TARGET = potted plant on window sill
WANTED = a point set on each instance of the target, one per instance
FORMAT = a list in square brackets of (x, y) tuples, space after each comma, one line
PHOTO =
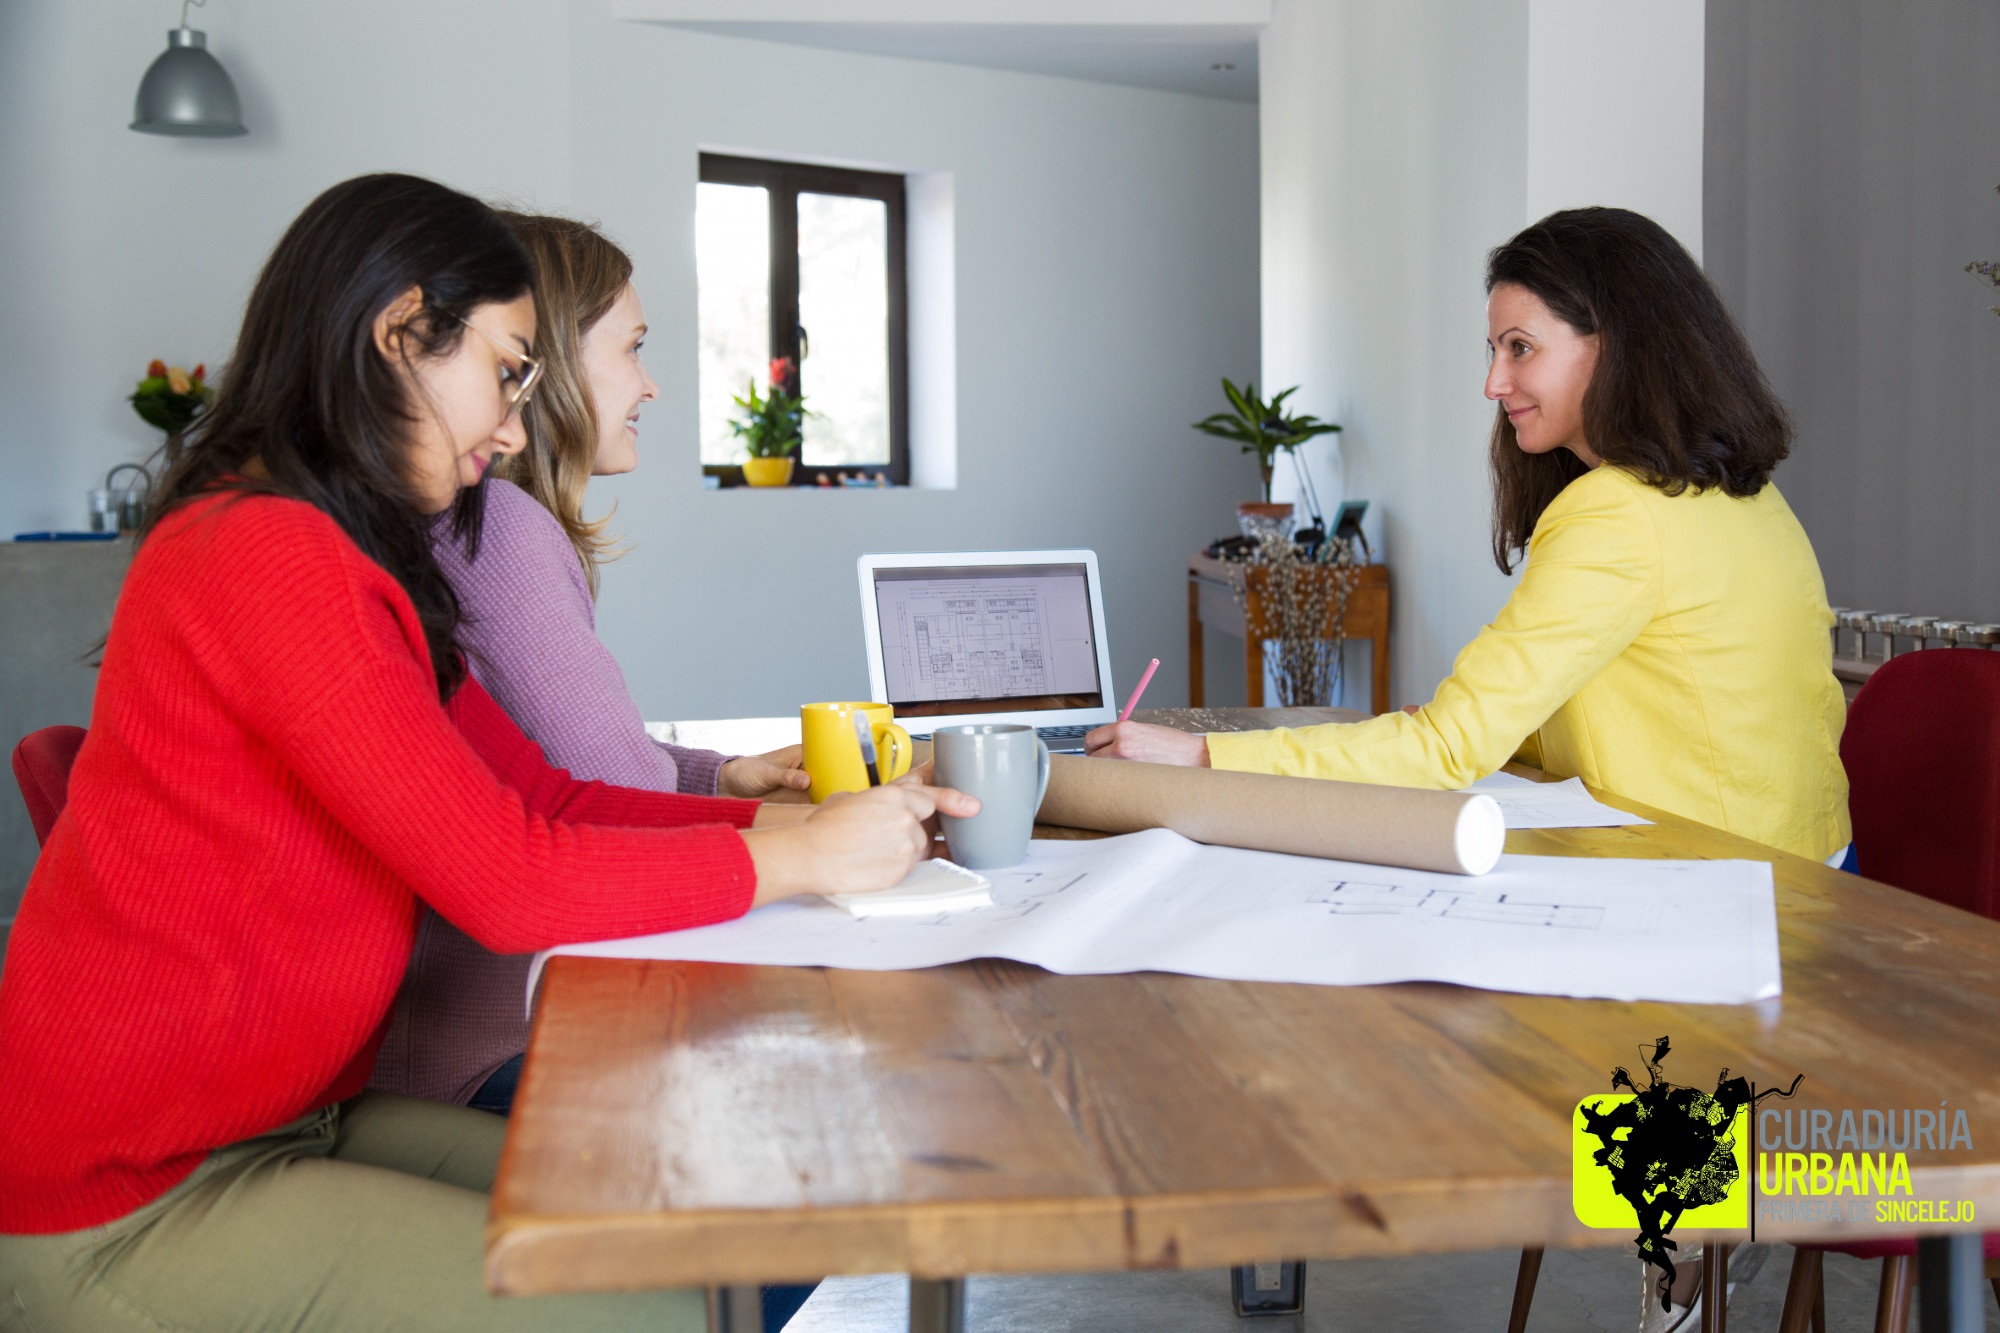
[(1262, 429), (771, 425)]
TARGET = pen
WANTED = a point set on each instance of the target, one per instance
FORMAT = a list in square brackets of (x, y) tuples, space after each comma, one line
[(1133, 702), (861, 734)]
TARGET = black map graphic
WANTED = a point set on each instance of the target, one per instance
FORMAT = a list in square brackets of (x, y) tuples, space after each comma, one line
[(1679, 1151)]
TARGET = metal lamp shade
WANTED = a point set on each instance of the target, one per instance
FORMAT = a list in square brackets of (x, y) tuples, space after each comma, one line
[(187, 92)]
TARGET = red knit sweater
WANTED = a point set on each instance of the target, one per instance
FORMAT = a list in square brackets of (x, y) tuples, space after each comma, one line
[(212, 938)]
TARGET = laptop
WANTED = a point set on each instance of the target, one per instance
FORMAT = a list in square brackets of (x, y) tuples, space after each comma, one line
[(989, 636)]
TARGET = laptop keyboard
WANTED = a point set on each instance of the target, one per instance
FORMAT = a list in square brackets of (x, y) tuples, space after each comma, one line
[(1063, 740)]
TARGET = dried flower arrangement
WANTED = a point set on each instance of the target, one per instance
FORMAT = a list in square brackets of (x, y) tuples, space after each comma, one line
[(1304, 596)]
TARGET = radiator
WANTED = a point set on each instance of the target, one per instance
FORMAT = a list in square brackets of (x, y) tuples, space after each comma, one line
[(1864, 640)]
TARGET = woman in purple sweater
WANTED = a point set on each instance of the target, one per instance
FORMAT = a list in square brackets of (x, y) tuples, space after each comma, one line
[(530, 638)]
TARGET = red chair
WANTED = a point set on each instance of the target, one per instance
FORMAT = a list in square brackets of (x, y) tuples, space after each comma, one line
[(1805, 1295), (41, 765), (1922, 753)]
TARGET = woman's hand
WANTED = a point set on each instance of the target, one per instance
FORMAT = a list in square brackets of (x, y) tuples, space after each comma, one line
[(925, 775), (757, 776), (853, 842), (1148, 744), (782, 814)]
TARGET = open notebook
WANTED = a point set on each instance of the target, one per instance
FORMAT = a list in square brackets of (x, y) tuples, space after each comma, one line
[(933, 886)]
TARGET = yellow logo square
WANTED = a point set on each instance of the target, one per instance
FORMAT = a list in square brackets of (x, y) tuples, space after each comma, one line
[(1663, 1183)]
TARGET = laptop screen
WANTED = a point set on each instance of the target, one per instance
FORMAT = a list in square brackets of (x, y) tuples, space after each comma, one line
[(987, 639)]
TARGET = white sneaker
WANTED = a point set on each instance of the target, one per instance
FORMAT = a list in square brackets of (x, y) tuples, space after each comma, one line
[(1675, 1318), (1652, 1319)]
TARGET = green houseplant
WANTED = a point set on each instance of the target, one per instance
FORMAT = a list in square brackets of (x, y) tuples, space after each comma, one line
[(772, 425), (1262, 428)]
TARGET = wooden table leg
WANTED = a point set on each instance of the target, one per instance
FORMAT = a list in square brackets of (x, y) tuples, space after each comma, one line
[(1801, 1291), (1196, 685), (1715, 1288), (1892, 1296), (1379, 700), (937, 1305), (1253, 669), (1524, 1288)]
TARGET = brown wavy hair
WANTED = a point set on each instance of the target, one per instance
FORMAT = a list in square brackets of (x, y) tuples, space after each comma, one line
[(579, 275), (1677, 397), (309, 400)]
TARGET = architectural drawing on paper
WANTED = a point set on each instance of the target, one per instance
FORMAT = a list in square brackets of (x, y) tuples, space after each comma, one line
[(978, 641), (1684, 932), (1020, 890), (1025, 883), (1357, 898)]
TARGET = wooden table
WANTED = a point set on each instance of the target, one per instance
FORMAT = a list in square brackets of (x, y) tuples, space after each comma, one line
[(685, 1124), (1212, 603)]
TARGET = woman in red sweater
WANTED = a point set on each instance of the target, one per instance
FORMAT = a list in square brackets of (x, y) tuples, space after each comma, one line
[(285, 756)]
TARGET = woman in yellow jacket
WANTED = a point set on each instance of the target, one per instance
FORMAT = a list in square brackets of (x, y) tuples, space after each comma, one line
[(1668, 638)]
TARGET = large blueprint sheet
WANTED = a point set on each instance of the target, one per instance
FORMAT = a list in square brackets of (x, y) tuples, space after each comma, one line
[(1525, 804), (1700, 932)]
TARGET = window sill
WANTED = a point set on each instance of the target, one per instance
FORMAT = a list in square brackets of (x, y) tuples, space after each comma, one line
[(729, 476)]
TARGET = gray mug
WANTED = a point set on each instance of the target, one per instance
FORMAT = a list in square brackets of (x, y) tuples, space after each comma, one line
[(1006, 766)]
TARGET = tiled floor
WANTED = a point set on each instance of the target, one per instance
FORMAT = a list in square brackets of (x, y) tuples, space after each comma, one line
[(1580, 1291)]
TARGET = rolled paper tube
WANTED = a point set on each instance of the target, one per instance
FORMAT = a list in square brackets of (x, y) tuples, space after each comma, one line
[(1459, 833)]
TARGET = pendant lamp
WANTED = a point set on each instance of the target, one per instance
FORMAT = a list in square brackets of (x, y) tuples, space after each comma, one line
[(186, 91)]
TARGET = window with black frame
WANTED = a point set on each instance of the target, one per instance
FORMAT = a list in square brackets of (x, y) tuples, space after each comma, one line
[(804, 262)]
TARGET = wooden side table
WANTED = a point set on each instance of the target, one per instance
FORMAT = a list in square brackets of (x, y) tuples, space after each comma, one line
[(1212, 602)]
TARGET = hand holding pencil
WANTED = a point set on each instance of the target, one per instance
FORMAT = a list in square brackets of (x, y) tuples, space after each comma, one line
[(1138, 690), (1126, 739)]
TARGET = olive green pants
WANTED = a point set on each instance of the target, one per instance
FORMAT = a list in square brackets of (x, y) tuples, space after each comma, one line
[(370, 1215)]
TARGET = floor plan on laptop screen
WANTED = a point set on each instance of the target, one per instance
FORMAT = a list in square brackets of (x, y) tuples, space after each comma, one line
[(999, 633)]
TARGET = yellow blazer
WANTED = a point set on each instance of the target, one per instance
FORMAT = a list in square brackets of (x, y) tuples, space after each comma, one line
[(1672, 649)]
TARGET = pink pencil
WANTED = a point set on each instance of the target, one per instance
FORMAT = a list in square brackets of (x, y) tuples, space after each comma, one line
[(1133, 702)]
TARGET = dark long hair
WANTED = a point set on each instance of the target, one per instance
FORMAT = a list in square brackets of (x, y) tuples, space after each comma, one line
[(1677, 397), (308, 393)]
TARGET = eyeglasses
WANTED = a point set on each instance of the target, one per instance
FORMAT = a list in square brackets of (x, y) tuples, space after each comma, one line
[(515, 384)]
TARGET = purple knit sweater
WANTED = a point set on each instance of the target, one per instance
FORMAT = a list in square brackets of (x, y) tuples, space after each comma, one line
[(530, 637)]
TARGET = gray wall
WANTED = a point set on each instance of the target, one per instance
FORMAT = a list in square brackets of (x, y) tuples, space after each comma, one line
[(55, 604), (1852, 152)]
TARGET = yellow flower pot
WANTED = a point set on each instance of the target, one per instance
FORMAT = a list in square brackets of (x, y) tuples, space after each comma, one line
[(767, 471)]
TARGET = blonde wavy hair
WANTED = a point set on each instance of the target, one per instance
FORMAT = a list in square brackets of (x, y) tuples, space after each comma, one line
[(579, 275)]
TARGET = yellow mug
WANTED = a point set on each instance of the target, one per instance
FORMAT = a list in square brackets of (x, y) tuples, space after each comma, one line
[(833, 751)]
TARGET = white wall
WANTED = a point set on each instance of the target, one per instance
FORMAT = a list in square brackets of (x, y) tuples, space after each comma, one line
[(117, 247), (1037, 12), (1393, 158), (1400, 143), (1106, 243), (1615, 109), (1106, 252)]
